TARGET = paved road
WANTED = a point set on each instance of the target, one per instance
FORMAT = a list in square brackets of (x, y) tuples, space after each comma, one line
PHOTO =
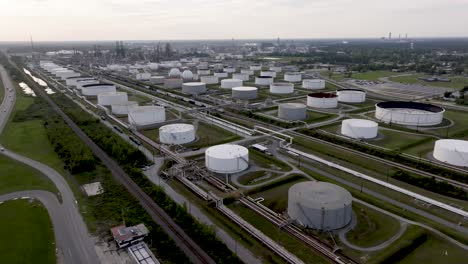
[(74, 241)]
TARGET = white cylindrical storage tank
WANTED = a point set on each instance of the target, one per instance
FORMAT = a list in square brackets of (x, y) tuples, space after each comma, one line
[(153, 66), (202, 72), (172, 83), (322, 100), (194, 88), (247, 71), (81, 83), (351, 96), (123, 108), (187, 75), (240, 76), (313, 84), (144, 76), (176, 134), (409, 113), (174, 73), (320, 205), (263, 80), (227, 158), (292, 111), (256, 67), (359, 128), (452, 151), (157, 79), (67, 74), (146, 115), (72, 81), (108, 99), (281, 88), (276, 69), (244, 92), (230, 83), (268, 73), (209, 79), (95, 89), (293, 77), (54, 70), (229, 69), (221, 74)]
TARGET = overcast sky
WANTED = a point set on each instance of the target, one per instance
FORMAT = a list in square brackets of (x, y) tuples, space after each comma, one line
[(221, 19)]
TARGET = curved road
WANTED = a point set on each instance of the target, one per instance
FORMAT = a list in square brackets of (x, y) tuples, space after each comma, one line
[(73, 239)]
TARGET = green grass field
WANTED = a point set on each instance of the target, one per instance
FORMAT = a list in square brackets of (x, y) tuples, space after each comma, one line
[(27, 234), (372, 75), (15, 176), (457, 82), (268, 162), (372, 228)]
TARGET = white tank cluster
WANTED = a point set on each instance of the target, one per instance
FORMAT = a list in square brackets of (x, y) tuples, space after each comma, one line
[(187, 75), (173, 83), (320, 205), (293, 77), (230, 83), (122, 108), (108, 99), (95, 89), (227, 158), (452, 151), (313, 84), (256, 67), (244, 93), (351, 96), (174, 73), (322, 100), (240, 76), (268, 73), (263, 80), (146, 115), (194, 88), (221, 74), (176, 134), (409, 113), (292, 111), (359, 128), (281, 88), (209, 79), (276, 69)]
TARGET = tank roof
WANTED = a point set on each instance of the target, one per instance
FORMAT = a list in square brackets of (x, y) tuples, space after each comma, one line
[(411, 105), (97, 84), (321, 194), (226, 151), (322, 95)]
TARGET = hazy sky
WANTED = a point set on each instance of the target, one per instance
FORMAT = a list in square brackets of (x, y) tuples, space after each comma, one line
[(218, 19)]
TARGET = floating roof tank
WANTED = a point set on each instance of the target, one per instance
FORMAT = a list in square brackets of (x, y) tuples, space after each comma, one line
[(227, 158)]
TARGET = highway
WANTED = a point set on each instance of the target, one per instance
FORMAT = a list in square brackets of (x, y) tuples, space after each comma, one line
[(74, 240)]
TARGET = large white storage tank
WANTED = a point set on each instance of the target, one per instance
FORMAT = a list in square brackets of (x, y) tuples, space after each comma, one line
[(81, 83), (359, 128), (351, 96), (72, 81), (229, 69), (409, 113), (292, 111), (293, 77), (452, 151), (256, 67), (176, 134), (95, 89), (276, 69), (281, 88), (221, 74), (268, 73), (263, 80), (244, 93), (247, 71), (108, 99), (144, 76), (187, 75), (209, 79), (202, 72), (313, 84), (320, 205), (157, 79), (230, 83), (122, 108), (172, 83), (322, 100), (240, 76), (174, 73), (227, 158), (146, 115), (194, 88), (67, 74)]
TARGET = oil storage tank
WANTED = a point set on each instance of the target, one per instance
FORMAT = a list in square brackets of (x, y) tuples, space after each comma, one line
[(293, 77), (187, 75), (281, 88), (111, 98), (409, 113), (322, 100), (292, 111), (122, 108), (221, 74), (227, 158), (194, 88), (230, 83), (203, 71), (313, 84), (452, 151), (247, 71), (256, 67), (72, 81), (146, 115), (351, 96), (209, 79), (81, 83), (229, 69), (276, 69), (244, 92), (176, 134), (359, 128), (173, 83), (319, 205), (263, 80), (95, 89), (174, 73), (268, 73), (240, 76)]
